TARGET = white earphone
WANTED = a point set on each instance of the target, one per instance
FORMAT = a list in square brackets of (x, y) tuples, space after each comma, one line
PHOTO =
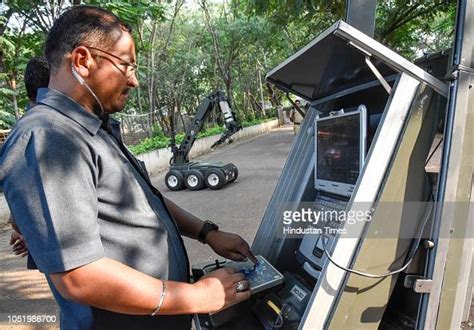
[(77, 75), (81, 81)]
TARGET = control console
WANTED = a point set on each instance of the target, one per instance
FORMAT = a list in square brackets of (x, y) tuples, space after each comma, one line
[(261, 277)]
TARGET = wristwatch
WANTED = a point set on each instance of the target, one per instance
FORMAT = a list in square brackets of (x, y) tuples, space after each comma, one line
[(206, 228)]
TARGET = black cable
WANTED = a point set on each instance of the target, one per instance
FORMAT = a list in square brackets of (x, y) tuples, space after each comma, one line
[(434, 150), (411, 255)]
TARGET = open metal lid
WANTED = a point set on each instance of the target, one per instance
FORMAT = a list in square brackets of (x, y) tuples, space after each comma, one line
[(335, 61)]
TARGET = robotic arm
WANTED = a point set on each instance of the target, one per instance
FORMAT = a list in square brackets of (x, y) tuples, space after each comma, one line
[(180, 154)]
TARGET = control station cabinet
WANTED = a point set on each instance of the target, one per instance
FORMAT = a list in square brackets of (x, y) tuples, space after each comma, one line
[(347, 223)]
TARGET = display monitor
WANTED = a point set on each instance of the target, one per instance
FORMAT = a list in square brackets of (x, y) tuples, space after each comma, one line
[(340, 150)]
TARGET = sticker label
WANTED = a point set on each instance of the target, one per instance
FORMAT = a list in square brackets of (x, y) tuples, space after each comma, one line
[(298, 293)]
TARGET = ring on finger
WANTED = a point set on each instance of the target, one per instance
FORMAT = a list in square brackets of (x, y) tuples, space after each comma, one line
[(241, 286)]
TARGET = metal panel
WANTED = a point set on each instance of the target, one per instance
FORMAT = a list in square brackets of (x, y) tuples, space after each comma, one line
[(298, 168), (325, 292), (391, 58), (335, 61), (395, 223), (448, 262)]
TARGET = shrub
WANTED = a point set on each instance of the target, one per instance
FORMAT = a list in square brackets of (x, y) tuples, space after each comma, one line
[(159, 140)]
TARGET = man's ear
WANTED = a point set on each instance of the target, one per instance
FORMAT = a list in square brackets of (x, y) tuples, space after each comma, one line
[(81, 61)]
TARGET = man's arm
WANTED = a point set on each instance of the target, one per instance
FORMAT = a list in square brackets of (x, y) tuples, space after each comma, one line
[(110, 285), (13, 223), (188, 224), (228, 245)]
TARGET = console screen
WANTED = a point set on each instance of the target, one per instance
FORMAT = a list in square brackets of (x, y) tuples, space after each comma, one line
[(338, 149)]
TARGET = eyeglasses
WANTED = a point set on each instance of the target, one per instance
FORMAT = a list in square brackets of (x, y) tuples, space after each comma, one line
[(131, 68)]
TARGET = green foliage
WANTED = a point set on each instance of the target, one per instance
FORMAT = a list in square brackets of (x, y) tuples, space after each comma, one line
[(6, 119), (17, 48), (211, 131), (133, 12), (250, 116), (181, 61), (157, 132), (253, 122), (159, 142), (295, 21), (408, 26), (150, 144), (415, 27)]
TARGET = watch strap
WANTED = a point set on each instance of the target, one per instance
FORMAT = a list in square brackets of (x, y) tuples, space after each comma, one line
[(206, 228)]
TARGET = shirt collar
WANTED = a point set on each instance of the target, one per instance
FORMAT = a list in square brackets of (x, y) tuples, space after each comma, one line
[(40, 92), (70, 108)]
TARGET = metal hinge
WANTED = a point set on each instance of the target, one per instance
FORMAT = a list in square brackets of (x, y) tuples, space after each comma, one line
[(453, 73), (418, 283)]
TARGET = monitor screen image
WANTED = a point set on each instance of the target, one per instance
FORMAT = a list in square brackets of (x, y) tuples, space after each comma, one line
[(338, 149)]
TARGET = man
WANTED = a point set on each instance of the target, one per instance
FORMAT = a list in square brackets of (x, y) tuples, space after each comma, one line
[(296, 116), (107, 241), (36, 77)]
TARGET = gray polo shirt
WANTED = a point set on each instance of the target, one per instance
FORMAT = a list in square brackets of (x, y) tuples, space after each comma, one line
[(78, 195)]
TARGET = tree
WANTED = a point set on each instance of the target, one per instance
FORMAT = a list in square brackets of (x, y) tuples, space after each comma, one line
[(231, 36), (22, 32), (407, 25), (297, 21)]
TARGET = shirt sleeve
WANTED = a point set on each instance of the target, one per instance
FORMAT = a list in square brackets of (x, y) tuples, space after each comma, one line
[(51, 191)]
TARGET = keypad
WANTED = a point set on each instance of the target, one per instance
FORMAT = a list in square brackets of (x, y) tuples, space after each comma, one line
[(260, 276)]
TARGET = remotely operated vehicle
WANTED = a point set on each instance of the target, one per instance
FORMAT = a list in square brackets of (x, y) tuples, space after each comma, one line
[(197, 175)]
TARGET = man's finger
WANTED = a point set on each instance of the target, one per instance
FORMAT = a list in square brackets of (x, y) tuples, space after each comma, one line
[(237, 277), (244, 295), (230, 270), (17, 248), (236, 256), (247, 253), (252, 257)]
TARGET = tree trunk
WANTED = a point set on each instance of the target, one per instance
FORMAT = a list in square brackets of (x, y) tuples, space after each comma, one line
[(14, 99), (256, 105), (228, 89), (15, 107), (182, 121), (273, 97)]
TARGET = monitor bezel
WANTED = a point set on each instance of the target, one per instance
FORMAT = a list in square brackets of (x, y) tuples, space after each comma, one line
[(336, 187)]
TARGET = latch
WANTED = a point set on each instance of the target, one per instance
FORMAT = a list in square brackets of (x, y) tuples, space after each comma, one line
[(418, 283)]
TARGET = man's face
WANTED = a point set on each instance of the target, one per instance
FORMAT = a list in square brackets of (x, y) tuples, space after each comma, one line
[(114, 76)]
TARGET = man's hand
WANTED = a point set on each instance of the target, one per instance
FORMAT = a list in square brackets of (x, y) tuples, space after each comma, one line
[(229, 246), (218, 289), (18, 243), (110, 285)]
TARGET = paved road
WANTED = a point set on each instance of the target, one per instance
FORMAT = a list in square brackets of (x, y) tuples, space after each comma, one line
[(238, 207)]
